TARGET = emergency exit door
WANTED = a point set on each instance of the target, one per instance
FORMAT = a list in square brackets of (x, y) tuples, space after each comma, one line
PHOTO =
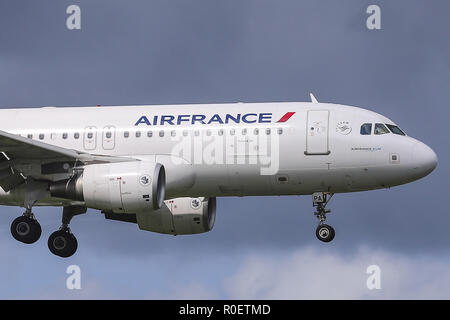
[(90, 138), (317, 132), (109, 137)]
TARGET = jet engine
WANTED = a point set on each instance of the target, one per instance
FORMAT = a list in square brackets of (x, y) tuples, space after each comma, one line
[(180, 216), (124, 187), (176, 216)]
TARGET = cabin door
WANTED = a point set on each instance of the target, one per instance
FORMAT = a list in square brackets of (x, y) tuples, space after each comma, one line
[(317, 132)]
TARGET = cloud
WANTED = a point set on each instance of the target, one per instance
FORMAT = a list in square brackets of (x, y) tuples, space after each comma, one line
[(310, 274), (90, 290), (194, 291)]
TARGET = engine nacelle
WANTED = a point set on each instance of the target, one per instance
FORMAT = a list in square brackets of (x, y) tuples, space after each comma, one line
[(124, 187), (180, 216)]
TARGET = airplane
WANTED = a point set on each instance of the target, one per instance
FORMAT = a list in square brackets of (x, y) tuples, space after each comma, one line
[(162, 167)]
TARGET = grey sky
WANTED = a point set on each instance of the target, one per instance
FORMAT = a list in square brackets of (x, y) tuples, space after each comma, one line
[(203, 51)]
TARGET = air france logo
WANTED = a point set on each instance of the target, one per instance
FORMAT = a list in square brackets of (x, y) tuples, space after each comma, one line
[(213, 119)]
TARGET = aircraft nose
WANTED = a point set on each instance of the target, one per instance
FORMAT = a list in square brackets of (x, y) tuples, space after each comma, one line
[(424, 158)]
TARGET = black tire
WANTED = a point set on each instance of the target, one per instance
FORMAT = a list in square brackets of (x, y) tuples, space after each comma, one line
[(62, 243), (325, 233), (26, 230)]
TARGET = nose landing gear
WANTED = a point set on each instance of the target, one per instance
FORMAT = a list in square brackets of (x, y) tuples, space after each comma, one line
[(324, 232)]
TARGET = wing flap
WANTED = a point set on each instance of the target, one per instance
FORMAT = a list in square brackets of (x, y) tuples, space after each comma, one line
[(9, 179)]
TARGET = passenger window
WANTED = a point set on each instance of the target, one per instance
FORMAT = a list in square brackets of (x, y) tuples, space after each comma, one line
[(90, 135), (76, 135), (244, 132), (366, 129), (30, 136), (126, 134), (220, 132), (268, 131), (232, 132), (138, 134), (41, 136), (395, 130), (64, 135), (280, 131), (196, 133), (380, 129), (256, 132), (208, 132), (108, 135), (161, 133), (173, 133), (149, 134), (185, 133)]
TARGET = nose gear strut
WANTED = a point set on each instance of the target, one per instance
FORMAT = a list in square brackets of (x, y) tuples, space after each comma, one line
[(324, 232)]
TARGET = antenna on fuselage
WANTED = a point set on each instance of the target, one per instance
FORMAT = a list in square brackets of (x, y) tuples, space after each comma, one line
[(313, 99)]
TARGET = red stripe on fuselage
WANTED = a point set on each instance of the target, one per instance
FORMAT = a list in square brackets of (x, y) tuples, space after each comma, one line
[(286, 117)]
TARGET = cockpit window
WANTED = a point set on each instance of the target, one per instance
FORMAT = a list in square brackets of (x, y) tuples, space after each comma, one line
[(366, 129), (380, 129), (395, 129)]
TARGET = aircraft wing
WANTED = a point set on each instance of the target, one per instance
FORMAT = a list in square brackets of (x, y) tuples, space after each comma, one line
[(15, 149)]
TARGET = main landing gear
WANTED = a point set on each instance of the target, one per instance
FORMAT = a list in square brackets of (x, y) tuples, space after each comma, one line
[(62, 243), (26, 228), (324, 232)]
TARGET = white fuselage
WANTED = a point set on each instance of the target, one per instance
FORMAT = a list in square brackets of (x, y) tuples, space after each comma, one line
[(238, 149)]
